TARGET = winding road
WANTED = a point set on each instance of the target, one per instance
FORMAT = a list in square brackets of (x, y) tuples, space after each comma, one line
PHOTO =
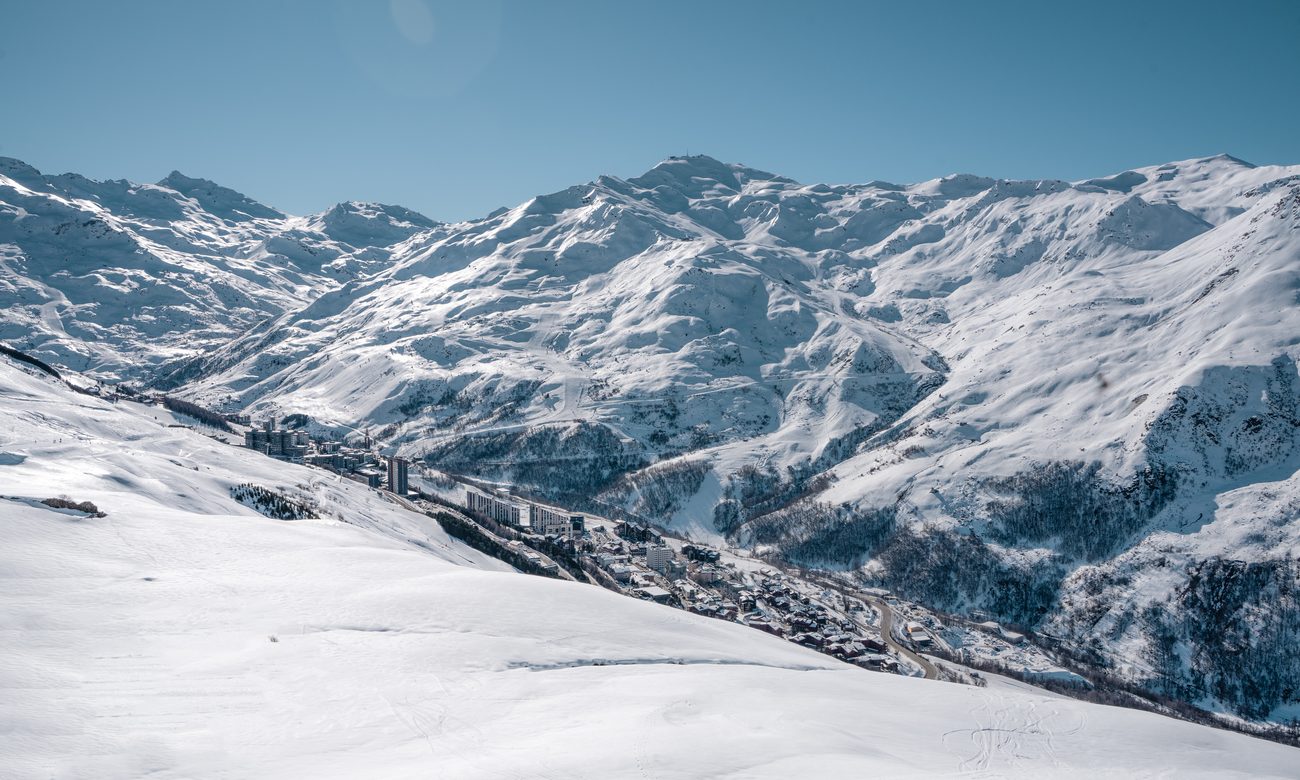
[(887, 636)]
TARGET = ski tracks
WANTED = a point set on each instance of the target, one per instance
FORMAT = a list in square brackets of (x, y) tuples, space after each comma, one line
[(1006, 733)]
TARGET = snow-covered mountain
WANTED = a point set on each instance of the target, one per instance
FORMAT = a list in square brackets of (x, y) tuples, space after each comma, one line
[(1071, 405), (1058, 384), (117, 278), (182, 634)]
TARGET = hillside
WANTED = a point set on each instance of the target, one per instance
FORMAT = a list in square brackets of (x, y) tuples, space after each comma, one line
[(183, 634)]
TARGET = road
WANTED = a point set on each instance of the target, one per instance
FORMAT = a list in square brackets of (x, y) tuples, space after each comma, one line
[(886, 623), (887, 636)]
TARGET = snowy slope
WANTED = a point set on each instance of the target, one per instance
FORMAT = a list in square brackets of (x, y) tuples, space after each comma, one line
[(1123, 431), (117, 278), (183, 635)]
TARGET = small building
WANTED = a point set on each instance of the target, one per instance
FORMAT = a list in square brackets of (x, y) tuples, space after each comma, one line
[(747, 601), (371, 477), (877, 661), (540, 562), (705, 574), (608, 559), (654, 593), (917, 633)]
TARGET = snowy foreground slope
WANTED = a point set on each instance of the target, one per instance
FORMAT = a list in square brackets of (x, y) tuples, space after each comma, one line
[(183, 635), (115, 278)]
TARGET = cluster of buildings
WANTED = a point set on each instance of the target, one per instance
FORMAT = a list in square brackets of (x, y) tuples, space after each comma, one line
[(638, 559), (356, 463), (699, 581), (781, 608), (532, 517), (278, 443)]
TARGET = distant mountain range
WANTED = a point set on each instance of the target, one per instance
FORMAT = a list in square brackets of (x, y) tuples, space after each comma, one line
[(1070, 405)]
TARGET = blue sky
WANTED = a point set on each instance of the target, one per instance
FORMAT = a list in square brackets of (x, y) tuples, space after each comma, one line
[(456, 108)]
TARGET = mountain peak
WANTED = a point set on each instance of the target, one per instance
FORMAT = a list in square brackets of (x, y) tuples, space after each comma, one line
[(19, 171), (696, 173), (360, 223), (1224, 157), (374, 210), (218, 200)]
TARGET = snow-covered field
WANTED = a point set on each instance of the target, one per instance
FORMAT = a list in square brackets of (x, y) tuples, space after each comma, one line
[(184, 635)]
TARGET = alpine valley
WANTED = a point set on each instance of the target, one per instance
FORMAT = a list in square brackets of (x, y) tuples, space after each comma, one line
[(1071, 407)]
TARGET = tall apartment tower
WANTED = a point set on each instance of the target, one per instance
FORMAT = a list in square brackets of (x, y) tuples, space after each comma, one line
[(397, 475)]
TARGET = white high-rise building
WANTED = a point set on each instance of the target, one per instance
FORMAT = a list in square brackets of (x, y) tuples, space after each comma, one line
[(657, 557)]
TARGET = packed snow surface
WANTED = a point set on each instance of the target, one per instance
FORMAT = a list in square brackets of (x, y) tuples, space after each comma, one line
[(184, 635)]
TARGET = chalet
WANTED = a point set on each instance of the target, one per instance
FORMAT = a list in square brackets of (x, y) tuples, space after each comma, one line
[(637, 532), (801, 623), (697, 552), (877, 661), (816, 641)]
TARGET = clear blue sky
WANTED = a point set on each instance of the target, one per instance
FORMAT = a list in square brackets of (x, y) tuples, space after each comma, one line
[(456, 108)]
